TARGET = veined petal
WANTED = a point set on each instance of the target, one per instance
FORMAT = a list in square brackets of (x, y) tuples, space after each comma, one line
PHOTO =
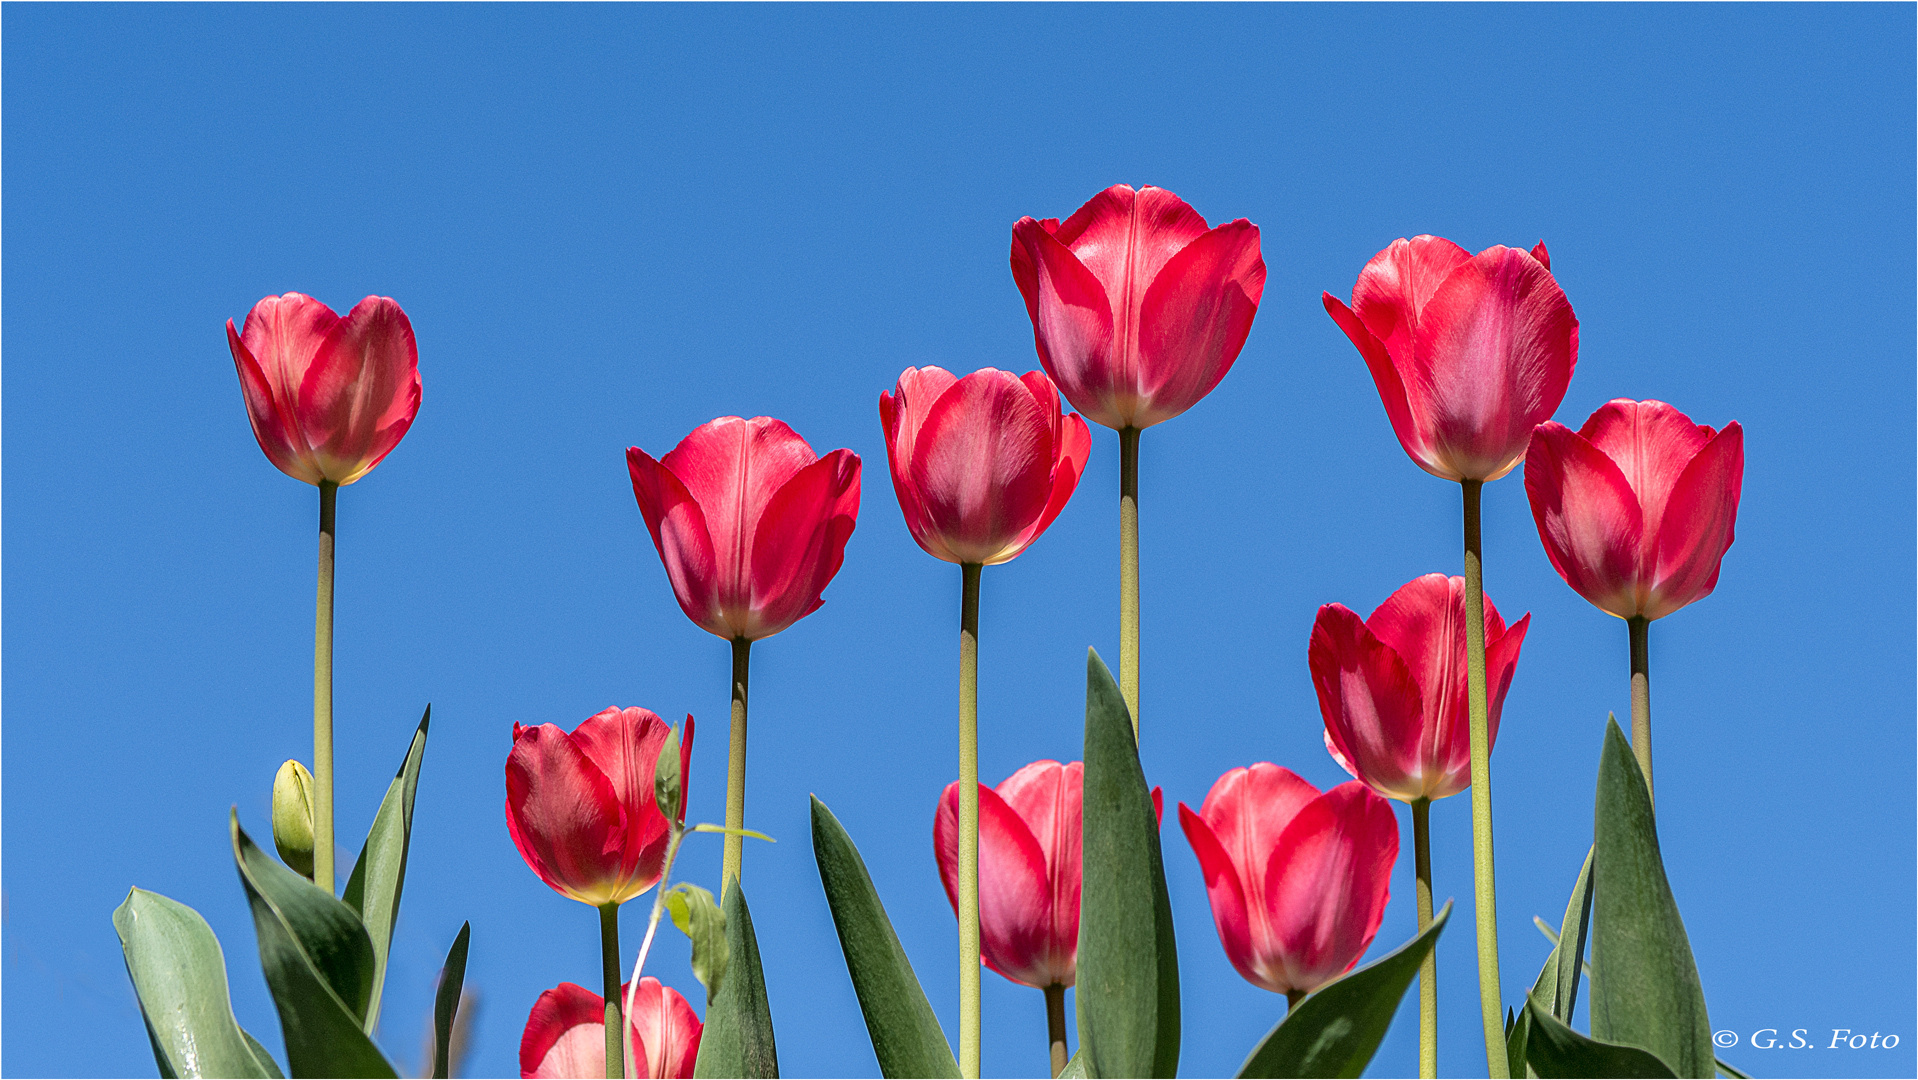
[(1072, 322), (1501, 663), (1047, 796), (359, 395), (1698, 524), (901, 414), (982, 465), (564, 815), (624, 744), (800, 544), (1015, 896), (1327, 883), (1391, 387), (1396, 285), (283, 333), (1194, 317), (1587, 517), (565, 1035), (1375, 719), (274, 429), (678, 528), (1651, 443), (1231, 914), (731, 467), (662, 1033)]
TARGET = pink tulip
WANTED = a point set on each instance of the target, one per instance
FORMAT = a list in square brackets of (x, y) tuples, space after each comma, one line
[(1298, 880), (565, 1035), (1470, 352), (981, 464), (581, 807), (328, 397), (1636, 508), (1138, 310), (1392, 687)]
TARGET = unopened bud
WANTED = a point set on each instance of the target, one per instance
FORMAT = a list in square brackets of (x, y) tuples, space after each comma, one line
[(293, 817)]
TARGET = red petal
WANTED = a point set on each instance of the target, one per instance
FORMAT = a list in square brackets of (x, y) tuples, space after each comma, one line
[(1376, 723), (283, 333), (279, 438), (1014, 894), (624, 744), (1588, 518), (662, 1032), (362, 390), (565, 1034), (731, 468), (1226, 893), (1544, 257), (1047, 797), (800, 543), (1328, 881), (564, 815), (678, 526), (1651, 443), (1501, 662), (982, 467), (1397, 283), (1072, 321), (1385, 376), (902, 416), (1698, 523), (1194, 318)]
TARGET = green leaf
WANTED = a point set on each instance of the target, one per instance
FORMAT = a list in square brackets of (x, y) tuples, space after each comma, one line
[(1727, 1070), (698, 917), (668, 789), (1336, 1030), (1645, 992), (706, 826), (1518, 1032), (1075, 1068), (738, 1040), (1557, 984), (906, 1036), (1128, 967), (179, 977), (318, 964), (373, 890), (446, 1002), (1554, 1050)]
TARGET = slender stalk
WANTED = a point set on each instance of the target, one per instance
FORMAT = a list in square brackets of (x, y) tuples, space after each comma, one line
[(969, 970), (1056, 1026), (323, 696), (609, 968), (1292, 999), (1129, 573), (1428, 971), (1641, 629), (1484, 891), (659, 906), (736, 769)]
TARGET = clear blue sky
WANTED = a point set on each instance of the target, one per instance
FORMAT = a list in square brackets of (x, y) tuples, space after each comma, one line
[(610, 224)]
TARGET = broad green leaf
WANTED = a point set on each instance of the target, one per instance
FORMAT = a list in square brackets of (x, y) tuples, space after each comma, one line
[(1645, 990), (373, 891), (668, 788), (1554, 1050), (179, 977), (699, 918), (446, 1002), (1075, 1068), (738, 1040), (318, 964), (1557, 984), (1336, 1030), (1727, 1070), (1128, 966), (906, 1036)]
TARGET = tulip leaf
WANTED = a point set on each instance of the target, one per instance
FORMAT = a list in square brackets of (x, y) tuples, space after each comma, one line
[(1336, 1030), (179, 977), (1518, 1036), (373, 890), (738, 1040), (906, 1036), (1128, 966), (318, 963), (1075, 1067), (1727, 1070), (1555, 1050), (1645, 990), (1557, 983), (697, 916), (668, 786), (446, 1002)]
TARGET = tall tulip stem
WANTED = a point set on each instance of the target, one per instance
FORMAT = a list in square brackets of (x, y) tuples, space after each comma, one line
[(1056, 1026), (736, 768), (1428, 971), (1484, 890), (1641, 632), (1129, 573), (969, 970), (609, 967), (323, 696)]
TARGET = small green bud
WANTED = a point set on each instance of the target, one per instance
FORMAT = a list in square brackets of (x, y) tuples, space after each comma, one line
[(293, 817), (668, 785)]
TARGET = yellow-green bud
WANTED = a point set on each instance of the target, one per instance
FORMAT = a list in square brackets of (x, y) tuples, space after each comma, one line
[(293, 817)]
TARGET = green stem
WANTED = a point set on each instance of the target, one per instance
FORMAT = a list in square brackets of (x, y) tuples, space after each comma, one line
[(659, 906), (736, 769), (1129, 573), (1056, 1027), (1292, 999), (609, 968), (1484, 891), (969, 970), (1641, 628), (323, 696), (1428, 971)]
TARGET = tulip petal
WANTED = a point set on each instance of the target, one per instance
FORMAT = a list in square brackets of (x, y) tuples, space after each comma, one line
[(1396, 285), (1698, 523), (1327, 883), (982, 466), (801, 542), (1651, 443), (1501, 663), (1072, 321), (1385, 376), (360, 394), (563, 814), (1226, 894), (273, 427), (565, 1035), (1015, 896), (678, 526), (624, 745), (1543, 256), (1048, 796), (901, 414), (1377, 724), (283, 333), (1587, 517), (1194, 318), (732, 467), (662, 1033)]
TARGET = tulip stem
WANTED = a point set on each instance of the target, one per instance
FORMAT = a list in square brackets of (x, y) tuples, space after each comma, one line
[(969, 970), (323, 696), (1428, 970), (736, 768), (1292, 999), (1056, 1027), (678, 833), (1484, 890), (1129, 573), (1641, 632), (609, 968)]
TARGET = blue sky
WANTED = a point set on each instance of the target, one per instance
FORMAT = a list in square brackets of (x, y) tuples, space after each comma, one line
[(610, 224)]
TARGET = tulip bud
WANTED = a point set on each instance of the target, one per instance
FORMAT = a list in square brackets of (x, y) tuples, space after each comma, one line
[(667, 786), (293, 817)]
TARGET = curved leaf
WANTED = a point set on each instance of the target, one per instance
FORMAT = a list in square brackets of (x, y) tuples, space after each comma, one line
[(373, 890), (1554, 1050), (738, 1040), (446, 1002), (698, 917), (179, 977)]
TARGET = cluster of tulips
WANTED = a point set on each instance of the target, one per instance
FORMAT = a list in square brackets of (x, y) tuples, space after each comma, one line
[(1138, 311)]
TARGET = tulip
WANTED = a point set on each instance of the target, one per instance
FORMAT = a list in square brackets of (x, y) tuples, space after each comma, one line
[(751, 525), (565, 1034), (1297, 879), (982, 465), (1636, 510), (293, 817)]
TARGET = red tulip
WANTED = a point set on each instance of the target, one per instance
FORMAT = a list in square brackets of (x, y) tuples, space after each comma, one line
[(1470, 352), (581, 806), (565, 1035), (1138, 309), (750, 523), (981, 464), (328, 397), (1298, 880), (1392, 687), (1636, 508)]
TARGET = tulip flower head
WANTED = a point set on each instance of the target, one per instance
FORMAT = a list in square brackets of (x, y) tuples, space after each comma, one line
[(565, 1034), (749, 522), (1470, 352), (580, 806), (1392, 687), (983, 464), (1636, 508), (1297, 879), (1138, 309), (328, 396), (1028, 870)]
